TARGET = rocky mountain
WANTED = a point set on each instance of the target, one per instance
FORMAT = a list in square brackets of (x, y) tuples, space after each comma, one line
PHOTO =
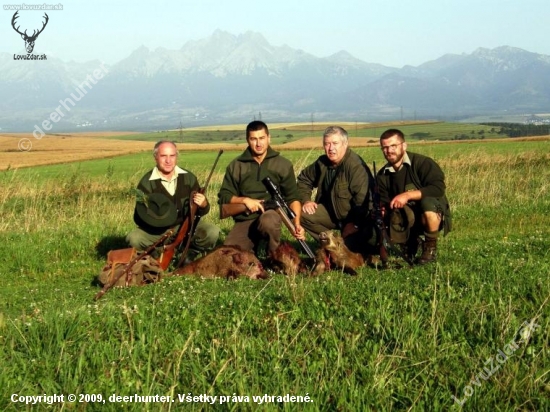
[(226, 78), (486, 81)]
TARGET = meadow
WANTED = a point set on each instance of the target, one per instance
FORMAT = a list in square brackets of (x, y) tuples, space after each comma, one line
[(469, 332)]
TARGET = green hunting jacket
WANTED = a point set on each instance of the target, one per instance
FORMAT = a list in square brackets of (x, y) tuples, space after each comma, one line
[(243, 178), (186, 183), (425, 175), (350, 195)]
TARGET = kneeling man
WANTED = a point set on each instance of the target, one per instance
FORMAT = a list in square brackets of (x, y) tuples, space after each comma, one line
[(412, 192)]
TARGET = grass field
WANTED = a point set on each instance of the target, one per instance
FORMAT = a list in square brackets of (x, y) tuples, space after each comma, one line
[(470, 332)]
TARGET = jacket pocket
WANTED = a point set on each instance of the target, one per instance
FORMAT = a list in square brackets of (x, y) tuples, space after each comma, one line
[(341, 191)]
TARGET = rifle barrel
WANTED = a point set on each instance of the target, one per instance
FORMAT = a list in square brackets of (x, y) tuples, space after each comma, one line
[(285, 212), (385, 242)]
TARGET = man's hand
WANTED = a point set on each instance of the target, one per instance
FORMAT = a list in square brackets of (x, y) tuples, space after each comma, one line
[(399, 201), (200, 200), (382, 212), (299, 233), (254, 205), (402, 199), (309, 207)]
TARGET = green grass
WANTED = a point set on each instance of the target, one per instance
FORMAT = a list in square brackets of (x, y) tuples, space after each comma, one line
[(397, 339)]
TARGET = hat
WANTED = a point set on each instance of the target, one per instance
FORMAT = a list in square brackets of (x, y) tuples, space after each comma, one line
[(157, 210), (401, 221)]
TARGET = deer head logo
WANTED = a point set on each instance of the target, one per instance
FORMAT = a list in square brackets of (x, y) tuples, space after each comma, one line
[(29, 40)]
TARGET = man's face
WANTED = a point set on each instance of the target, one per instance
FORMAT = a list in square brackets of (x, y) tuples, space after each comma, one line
[(335, 147), (393, 149), (258, 141), (166, 158)]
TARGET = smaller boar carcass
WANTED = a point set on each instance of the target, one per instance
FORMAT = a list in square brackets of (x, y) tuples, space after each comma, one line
[(334, 254), (285, 259), (229, 262)]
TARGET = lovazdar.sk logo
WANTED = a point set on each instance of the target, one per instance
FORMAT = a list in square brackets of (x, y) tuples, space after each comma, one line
[(29, 39)]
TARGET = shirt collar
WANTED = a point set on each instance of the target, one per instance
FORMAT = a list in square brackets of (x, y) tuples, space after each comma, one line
[(406, 160), (157, 176)]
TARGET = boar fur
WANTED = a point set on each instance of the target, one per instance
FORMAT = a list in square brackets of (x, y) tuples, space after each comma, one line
[(334, 254), (285, 259), (228, 262)]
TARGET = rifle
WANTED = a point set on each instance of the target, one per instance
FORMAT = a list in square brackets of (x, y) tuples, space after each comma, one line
[(385, 241), (285, 212), (187, 228), (234, 209), (277, 203), (128, 267)]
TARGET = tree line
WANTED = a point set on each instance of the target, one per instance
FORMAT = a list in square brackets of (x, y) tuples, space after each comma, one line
[(520, 130)]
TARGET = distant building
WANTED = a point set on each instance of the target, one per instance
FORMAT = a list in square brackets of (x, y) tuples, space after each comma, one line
[(536, 120)]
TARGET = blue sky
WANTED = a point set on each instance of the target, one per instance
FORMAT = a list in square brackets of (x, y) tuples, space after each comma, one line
[(390, 32)]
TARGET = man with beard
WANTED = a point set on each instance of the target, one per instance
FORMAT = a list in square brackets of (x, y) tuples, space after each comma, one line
[(243, 184), (343, 197), (412, 189)]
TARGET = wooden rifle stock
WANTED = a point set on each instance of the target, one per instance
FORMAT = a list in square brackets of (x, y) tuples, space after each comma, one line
[(232, 209), (169, 250)]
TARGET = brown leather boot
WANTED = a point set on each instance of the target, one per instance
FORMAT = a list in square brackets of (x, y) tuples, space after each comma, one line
[(429, 251), (412, 247)]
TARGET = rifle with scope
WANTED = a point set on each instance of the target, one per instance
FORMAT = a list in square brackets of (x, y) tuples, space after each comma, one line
[(277, 203)]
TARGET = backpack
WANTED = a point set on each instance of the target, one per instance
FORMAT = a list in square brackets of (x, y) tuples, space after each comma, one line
[(144, 271)]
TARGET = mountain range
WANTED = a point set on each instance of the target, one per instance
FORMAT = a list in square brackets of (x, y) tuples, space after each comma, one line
[(232, 79)]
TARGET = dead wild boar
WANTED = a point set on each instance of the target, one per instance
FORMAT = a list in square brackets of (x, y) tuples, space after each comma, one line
[(228, 262), (334, 254), (285, 259)]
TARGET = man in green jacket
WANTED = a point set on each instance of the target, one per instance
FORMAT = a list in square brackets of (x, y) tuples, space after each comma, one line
[(242, 184), (168, 183), (412, 188), (343, 197)]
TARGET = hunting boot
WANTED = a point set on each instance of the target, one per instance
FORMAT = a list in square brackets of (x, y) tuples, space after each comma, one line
[(412, 247), (429, 248)]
